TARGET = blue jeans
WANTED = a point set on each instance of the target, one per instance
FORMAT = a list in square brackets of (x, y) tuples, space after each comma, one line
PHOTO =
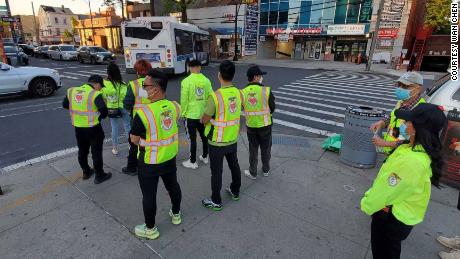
[(115, 123)]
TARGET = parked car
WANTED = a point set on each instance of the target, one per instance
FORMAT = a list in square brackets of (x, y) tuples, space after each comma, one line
[(28, 49), (94, 55), (37, 81), (445, 93), (41, 51), (62, 52), (15, 56)]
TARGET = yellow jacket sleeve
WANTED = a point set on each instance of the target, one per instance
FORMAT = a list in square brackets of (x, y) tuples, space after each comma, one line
[(184, 95)]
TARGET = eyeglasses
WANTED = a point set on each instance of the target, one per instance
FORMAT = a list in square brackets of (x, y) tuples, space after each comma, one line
[(144, 85)]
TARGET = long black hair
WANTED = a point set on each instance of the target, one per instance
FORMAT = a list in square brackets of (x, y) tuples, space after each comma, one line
[(431, 142), (113, 73)]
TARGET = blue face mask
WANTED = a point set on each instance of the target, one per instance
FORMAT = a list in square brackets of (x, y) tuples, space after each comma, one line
[(403, 131), (402, 94)]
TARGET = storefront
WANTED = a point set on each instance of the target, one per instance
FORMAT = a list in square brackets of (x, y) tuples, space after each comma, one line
[(348, 41)]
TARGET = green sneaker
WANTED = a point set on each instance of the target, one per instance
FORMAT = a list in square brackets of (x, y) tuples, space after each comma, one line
[(175, 218), (208, 203), (144, 231), (234, 197)]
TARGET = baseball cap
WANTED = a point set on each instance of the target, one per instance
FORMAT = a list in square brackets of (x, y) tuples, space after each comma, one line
[(96, 79), (194, 63), (424, 115), (410, 78), (255, 71)]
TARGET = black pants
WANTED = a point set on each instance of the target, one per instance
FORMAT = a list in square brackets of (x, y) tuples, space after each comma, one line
[(192, 126), (149, 184), (387, 233), (216, 155), (132, 154), (90, 138), (259, 138)]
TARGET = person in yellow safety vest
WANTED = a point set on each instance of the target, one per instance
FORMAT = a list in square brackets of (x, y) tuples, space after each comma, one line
[(399, 196), (135, 96), (222, 120), (408, 92), (259, 104), (114, 92), (195, 90), (155, 131), (87, 108)]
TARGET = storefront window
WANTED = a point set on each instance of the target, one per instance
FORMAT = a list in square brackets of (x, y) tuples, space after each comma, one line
[(328, 13), (316, 11), (340, 11), (264, 18), (353, 11), (305, 9)]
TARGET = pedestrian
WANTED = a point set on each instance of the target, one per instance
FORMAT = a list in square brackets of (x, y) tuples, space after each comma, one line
[(222, 119), (259, 105), (87, 108), (195, 90), (155, 131), (408, 92), (135, 96), (452, 243), (412, 61), (399, 196), (114, 93)]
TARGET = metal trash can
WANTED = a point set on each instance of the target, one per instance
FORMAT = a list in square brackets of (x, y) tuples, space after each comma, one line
[(357, 148)]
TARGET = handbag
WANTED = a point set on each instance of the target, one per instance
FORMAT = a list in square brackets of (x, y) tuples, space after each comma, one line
[(115, 112)]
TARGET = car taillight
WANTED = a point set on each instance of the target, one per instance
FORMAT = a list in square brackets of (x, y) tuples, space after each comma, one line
[(169, 55), (168, 51)]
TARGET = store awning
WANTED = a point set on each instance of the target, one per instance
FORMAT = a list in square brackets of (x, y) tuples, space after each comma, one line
[(227, 31)]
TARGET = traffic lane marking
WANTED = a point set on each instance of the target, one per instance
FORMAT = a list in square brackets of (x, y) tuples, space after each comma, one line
[(303, 128), (29, 106), (30, 112)]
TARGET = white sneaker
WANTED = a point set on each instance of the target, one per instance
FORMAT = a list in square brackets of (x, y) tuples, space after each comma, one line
[(249, 175), (267, 174), (188, 164), (454, 254), (205, 160), (115, 151), (452, 243)]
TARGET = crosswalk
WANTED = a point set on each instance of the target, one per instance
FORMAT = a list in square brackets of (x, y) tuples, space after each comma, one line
[(80, 72), (317, 103)]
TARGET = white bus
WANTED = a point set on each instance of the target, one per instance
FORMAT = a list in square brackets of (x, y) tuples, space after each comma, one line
[(164, 42)]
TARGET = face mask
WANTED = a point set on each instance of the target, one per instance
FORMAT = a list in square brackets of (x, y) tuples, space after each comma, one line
[(402, 94), (403, 131), (260, 80)]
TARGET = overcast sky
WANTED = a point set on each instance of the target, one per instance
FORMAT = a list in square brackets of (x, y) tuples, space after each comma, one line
[(77, 6)]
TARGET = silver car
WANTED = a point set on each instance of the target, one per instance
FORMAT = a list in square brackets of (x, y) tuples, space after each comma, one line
[(15, 56), (62, 52), (445, 93)]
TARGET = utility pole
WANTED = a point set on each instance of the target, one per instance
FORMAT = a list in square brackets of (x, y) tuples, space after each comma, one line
[(152, 8), (91, 18), (235, 56), (374, 35), (8, 10), (35, 24)]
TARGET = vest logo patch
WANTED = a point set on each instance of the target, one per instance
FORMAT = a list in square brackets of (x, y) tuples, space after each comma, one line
[(232, 105), (252, 99), (393, 180), (199, 91), (166, 120), (78, 97)]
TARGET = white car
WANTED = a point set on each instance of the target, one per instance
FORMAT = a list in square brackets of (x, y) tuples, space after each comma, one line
[(445, 93), (37, 81), (62, 52)]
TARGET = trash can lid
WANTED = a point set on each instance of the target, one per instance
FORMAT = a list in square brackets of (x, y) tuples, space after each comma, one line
[(365, 111)]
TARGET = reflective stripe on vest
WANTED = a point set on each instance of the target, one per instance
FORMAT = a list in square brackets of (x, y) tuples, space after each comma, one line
[(221, 113), (152, 132), (90, 113), (159, 143), (225, 124)]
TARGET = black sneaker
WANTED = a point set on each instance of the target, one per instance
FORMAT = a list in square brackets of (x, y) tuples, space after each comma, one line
[(129, 171), (208, 203), (234, 197), (102, 178), (87, 175)]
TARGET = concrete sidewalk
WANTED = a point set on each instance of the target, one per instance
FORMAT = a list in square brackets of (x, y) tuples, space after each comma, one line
[(334, 65), (307, 208)]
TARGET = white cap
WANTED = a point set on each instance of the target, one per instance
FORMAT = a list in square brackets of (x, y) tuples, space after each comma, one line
[(411, 78)]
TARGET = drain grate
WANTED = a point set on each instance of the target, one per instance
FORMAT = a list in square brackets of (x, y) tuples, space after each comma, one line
[(290, 141)]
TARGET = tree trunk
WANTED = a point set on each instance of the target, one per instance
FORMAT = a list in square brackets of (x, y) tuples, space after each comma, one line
[(152, 8), (183, 9)]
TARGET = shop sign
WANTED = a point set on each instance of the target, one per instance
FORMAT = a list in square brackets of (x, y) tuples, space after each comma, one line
[(262, 38), (282, 37), (229, 36), (389, 33), (346, 29), (386, 43), (10, 19), (251, 26), (273, 31)]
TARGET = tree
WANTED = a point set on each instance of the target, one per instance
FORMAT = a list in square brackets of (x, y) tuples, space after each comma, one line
[(437, 14), (114, 2), (172, 6), (73, 32)]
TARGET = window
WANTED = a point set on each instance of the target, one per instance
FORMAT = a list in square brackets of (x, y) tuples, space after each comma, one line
[(65, 20), (56, 20), (340, 11), (273, 17), (58, 31), (66, 48), (184, 44), (328, 13), (366, 12), (283, 18), (316, 12), (141, 33), (353, 11), (305, 11), (264, 18)]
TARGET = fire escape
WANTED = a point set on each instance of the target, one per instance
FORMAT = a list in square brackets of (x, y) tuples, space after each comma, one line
[(419, 45)]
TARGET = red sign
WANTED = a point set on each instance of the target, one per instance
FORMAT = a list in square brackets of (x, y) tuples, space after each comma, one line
[(391, 33), (274, 31)]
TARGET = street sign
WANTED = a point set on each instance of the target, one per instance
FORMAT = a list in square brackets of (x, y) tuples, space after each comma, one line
[(9, 19)]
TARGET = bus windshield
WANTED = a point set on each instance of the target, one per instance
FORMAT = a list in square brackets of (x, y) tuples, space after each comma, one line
[(141, 33)]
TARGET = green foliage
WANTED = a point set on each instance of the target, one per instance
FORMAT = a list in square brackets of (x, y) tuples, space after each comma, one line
[(437, 14), (173, 6)]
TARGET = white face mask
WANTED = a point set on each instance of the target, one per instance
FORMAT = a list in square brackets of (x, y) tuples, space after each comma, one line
[(143, 93), (260, 80)]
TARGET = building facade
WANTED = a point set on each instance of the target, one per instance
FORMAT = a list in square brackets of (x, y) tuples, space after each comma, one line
[(26, 28), (315, 29), (53, 22), (139, 9)]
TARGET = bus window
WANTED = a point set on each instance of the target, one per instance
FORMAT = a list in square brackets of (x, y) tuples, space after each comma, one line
[(184, 44), (141, 33), (198, 43)]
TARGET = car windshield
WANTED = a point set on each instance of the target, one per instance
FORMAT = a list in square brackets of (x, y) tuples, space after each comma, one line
[(97, 49), (67, 48), (9, 49), (45, 48)]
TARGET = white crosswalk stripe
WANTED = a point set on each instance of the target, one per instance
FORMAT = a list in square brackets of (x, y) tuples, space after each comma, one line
[(317, 104)]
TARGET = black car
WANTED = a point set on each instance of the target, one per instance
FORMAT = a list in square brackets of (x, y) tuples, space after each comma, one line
[(94, 55), (41, 51), (28, 49)]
